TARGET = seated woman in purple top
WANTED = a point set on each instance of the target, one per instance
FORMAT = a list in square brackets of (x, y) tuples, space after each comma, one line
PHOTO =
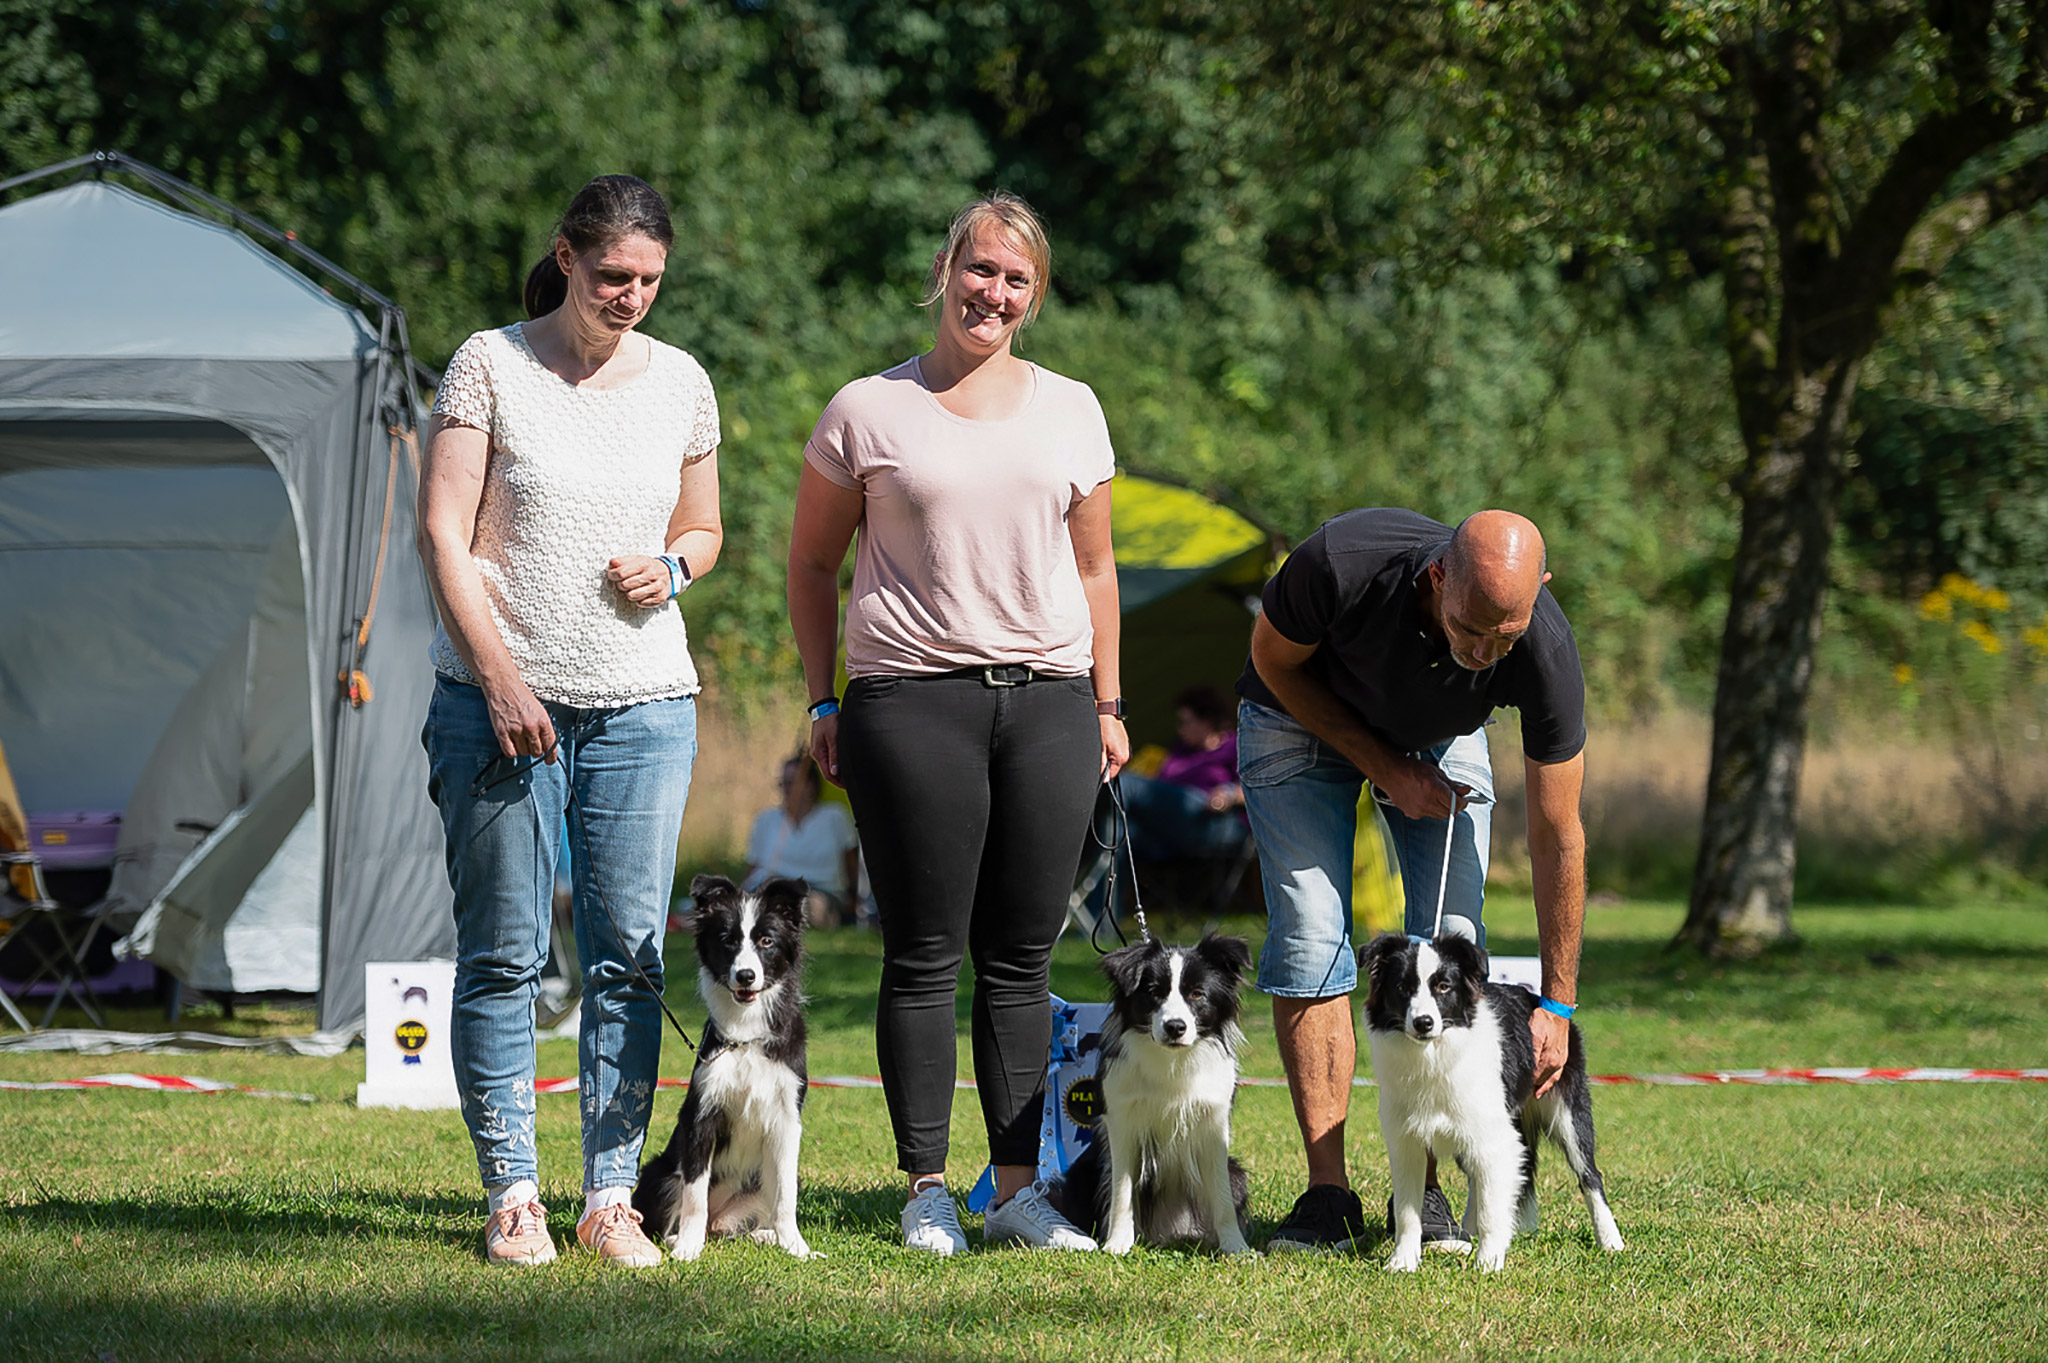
[(1193, 807)]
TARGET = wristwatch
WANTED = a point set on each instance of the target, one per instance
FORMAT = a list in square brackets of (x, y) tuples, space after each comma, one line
[(1113, 708)]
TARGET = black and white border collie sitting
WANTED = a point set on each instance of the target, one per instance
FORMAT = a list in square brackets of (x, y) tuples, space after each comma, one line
[(1169, 1076), (731, 1164), (1455, 1066)]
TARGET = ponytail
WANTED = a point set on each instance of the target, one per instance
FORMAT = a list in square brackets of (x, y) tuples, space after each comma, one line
[(547, 288), (603, 211)]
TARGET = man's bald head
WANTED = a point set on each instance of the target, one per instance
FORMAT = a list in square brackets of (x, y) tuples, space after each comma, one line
[(1497, 557), (1486, 585)]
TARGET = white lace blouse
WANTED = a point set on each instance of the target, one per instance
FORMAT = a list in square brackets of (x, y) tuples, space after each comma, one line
[(577, 476)]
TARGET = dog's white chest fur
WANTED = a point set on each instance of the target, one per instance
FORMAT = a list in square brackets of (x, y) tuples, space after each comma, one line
[(758, 1099), (1446, 1091)]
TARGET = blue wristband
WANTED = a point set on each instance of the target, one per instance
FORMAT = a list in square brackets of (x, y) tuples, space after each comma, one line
[(1551, 1005), (678, 574), (827, 706)]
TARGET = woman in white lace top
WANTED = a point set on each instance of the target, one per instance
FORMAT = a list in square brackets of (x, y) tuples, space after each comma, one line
[(570, 495)]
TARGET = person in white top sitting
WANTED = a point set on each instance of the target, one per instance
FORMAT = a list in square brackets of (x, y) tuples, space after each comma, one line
[(814, 842)]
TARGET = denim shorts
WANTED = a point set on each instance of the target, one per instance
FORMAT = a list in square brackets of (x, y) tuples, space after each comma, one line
[(1302, 796)]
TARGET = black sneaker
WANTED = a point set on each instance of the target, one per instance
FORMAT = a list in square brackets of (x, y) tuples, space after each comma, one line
[(1440, 1230), (1325, 1219)]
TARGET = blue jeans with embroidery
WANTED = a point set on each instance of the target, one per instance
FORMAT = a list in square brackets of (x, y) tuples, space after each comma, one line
[(630, 768), (1302, 796)]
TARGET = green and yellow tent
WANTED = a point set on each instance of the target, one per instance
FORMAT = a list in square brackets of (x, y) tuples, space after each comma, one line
[(1189, 572)]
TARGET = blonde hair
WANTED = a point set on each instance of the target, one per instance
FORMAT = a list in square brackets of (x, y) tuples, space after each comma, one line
[(1017, 221)]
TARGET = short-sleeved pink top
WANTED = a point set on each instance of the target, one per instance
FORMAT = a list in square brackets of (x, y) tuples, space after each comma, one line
[(963, 557)]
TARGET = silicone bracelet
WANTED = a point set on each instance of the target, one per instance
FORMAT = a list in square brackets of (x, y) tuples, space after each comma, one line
[(820, 709), (678, 574), (1551, 1005)]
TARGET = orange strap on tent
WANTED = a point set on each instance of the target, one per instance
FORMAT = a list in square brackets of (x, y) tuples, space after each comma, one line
[(354, 681)]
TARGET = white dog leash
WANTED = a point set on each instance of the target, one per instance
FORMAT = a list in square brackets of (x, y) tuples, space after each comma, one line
[(1443, 878)]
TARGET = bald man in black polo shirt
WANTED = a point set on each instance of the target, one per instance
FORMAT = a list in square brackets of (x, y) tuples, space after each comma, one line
[(1386, 642)]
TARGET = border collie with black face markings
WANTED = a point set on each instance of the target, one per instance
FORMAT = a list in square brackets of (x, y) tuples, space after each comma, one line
[(1168, 1076), (731, 1164), (1455, 1065)]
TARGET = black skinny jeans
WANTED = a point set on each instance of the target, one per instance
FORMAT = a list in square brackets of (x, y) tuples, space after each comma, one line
[(972, 803)]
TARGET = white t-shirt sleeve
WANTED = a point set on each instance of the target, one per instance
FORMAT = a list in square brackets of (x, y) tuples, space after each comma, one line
[(844, 839), (465, 393), (761, 841), (704, 415)]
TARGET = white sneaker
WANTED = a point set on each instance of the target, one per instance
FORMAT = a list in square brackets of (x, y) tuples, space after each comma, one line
[(931, 1222), (1029, 1219)]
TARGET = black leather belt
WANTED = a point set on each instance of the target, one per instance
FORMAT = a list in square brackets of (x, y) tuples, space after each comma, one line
[(1006, 674)]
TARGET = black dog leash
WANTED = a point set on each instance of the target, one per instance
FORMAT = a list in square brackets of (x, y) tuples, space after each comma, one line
[(506, 767), (1119, 841)]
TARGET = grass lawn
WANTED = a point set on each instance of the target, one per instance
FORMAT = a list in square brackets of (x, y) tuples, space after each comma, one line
[(1894, 1221)]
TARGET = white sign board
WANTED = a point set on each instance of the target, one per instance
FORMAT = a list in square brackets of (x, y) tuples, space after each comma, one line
[(1527, 971), (406, 1012)]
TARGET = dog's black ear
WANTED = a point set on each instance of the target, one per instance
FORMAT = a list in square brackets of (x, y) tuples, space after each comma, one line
[(1230, 957), (785, 897), (1380, 955), (710, 887), (1464, 953), (705, 891), (1125, 967)]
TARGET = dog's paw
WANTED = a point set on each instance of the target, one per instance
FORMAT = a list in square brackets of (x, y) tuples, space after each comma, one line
[(1492, 1258), (1239, 1248), (687, 1250), (1406, 1259), (799, 1250), (1119, 1244)]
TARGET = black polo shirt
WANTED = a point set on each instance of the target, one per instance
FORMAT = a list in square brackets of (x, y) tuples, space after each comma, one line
[(1353, 589)]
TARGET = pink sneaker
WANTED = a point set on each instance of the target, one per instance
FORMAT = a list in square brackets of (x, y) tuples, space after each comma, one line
[(519, 1235), (614, 1233)]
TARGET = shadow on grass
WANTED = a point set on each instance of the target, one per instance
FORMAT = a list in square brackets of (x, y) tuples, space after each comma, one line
[(231, 1222)]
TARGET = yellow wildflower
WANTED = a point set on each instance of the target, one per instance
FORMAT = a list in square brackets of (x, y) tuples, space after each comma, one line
[(1903, 674), (1936, 606), (1977, 631), (1996, 600)]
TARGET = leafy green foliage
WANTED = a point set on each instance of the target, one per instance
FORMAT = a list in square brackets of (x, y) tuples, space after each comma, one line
[(1359, 285)]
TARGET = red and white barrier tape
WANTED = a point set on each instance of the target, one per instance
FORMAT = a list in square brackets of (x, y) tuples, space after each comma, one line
[(177, 1083), (157, 1083), (1852, 1075)]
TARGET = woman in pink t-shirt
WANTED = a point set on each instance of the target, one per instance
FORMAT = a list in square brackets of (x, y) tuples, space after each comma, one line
[(983, 709)]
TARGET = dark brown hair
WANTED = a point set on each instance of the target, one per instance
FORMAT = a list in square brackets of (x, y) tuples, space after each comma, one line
[(608, 209), (1208, 704)]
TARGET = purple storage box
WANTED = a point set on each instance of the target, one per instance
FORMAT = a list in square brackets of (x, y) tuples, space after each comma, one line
[(75, 840)]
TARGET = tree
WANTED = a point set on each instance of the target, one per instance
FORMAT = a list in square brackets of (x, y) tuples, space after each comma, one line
[(1826, 159)]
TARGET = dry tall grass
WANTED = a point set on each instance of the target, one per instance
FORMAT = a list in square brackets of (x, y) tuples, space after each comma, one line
[(1876, 809), (1864, 794), (739, 758)]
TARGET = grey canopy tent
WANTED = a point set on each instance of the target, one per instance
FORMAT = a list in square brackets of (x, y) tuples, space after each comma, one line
[(212, 620)]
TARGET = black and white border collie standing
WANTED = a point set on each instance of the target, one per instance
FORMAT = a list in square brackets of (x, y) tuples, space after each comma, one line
[(1455, 1065), (1169, 1076), (731, 1164)]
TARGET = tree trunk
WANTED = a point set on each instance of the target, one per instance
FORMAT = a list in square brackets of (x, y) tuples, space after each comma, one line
[(1742, 884)]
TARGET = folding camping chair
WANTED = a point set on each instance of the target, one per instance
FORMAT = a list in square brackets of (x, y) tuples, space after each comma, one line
[(23, 887), (55, 944)]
